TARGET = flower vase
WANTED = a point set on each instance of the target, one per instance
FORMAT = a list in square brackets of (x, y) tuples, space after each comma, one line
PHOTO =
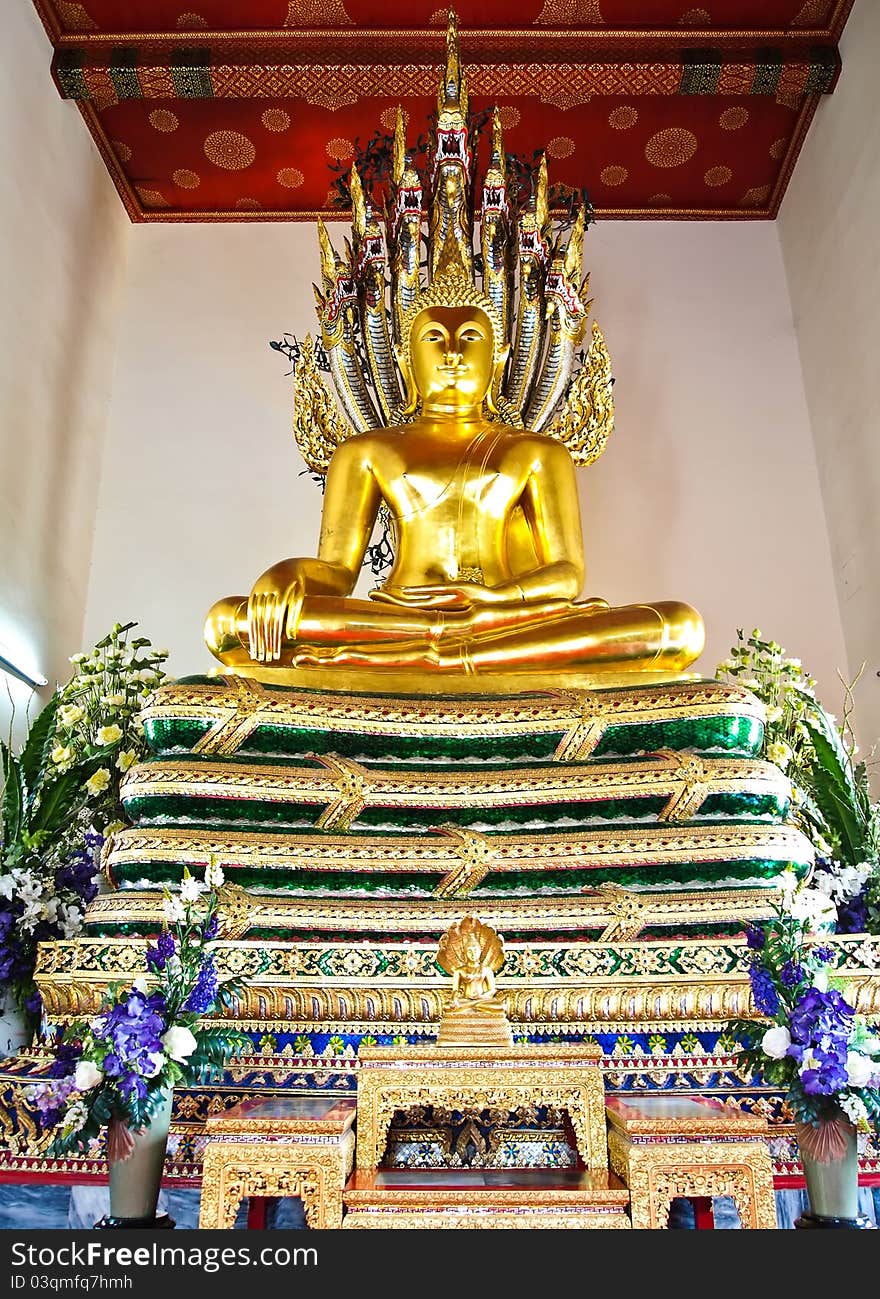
[(829, 1155), (14, 1028), (136, 1161)]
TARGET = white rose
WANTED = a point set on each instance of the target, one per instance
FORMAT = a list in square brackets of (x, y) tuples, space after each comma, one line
[(125, 760), (776, 1042), (774, 713), (820, 980), (109, 734), (140, 983), (179, 1043), (86, 1076), (859, 1069), (813, 908)]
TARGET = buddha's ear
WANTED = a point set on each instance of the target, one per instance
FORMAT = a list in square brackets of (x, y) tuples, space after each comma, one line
[(411, 394), (497, 375)]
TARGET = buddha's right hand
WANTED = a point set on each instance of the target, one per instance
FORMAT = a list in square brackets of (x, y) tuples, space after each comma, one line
[(273, 610)]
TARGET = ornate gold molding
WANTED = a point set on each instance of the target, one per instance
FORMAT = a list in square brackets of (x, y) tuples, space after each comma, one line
[(606, 909), (344, 788), (235, 706), (430, 855)]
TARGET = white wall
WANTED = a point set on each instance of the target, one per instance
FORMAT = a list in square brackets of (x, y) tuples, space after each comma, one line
[(708, 491), (828, 231), (63, 235)]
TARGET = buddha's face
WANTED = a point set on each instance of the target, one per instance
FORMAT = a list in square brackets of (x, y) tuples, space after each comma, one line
[(452, 350)]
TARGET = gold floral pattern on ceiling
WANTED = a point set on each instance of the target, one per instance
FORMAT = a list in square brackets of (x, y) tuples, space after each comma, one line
[(570, 13), (275, 119), (671, 148), (318, 13), (716, 176), (74, 17), (622, 118), (162, 119), (185, 178), (230, 150), (733, 119)]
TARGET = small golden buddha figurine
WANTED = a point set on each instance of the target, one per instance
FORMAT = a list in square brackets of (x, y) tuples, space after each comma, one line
[(467, 441), (476, 1013)]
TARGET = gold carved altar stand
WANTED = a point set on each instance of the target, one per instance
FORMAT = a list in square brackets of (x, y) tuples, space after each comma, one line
[(298, 1146), (474, 1080), (664, 1147)]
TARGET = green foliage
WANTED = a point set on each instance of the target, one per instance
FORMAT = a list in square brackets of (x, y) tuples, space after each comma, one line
[(61, 792), (831, 794)]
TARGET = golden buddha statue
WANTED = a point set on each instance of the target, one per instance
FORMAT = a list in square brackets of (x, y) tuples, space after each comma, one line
[(475, 1013), (449, 428)]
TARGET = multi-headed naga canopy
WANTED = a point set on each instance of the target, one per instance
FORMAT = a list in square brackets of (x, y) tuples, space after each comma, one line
[(530, 289)]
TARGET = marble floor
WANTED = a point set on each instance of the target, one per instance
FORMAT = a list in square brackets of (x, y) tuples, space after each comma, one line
[(33, 1207)]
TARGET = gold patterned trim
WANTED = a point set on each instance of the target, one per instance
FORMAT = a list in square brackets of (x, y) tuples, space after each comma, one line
[(642, 982), (530, 1218), (429, 854), (344, 787), (608, 908)]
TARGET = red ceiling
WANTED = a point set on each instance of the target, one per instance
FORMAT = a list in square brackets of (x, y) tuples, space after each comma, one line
[(153, 16), (234, 109)]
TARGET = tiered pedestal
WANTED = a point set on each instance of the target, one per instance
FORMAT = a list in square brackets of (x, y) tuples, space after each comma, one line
[(664, 1147), (295, 1146), (618, 837)]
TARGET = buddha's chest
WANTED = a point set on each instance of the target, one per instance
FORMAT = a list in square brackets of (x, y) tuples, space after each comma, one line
[(450, 484)]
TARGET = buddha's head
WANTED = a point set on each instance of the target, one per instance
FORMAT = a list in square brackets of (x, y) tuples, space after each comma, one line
[(453, 353)]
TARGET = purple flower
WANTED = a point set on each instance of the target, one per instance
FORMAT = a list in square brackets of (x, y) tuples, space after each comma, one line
[(823, 955), (132, 1086), (827, 1076), (763, 990), (852, 915), (204, 992), (157, 957), (211, 928), (50, 1099), (755, 937), (791, 974), (820, 1014)]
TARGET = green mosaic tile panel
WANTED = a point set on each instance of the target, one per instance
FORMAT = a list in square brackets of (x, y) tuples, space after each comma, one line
[(208, 812), (735, 874)]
